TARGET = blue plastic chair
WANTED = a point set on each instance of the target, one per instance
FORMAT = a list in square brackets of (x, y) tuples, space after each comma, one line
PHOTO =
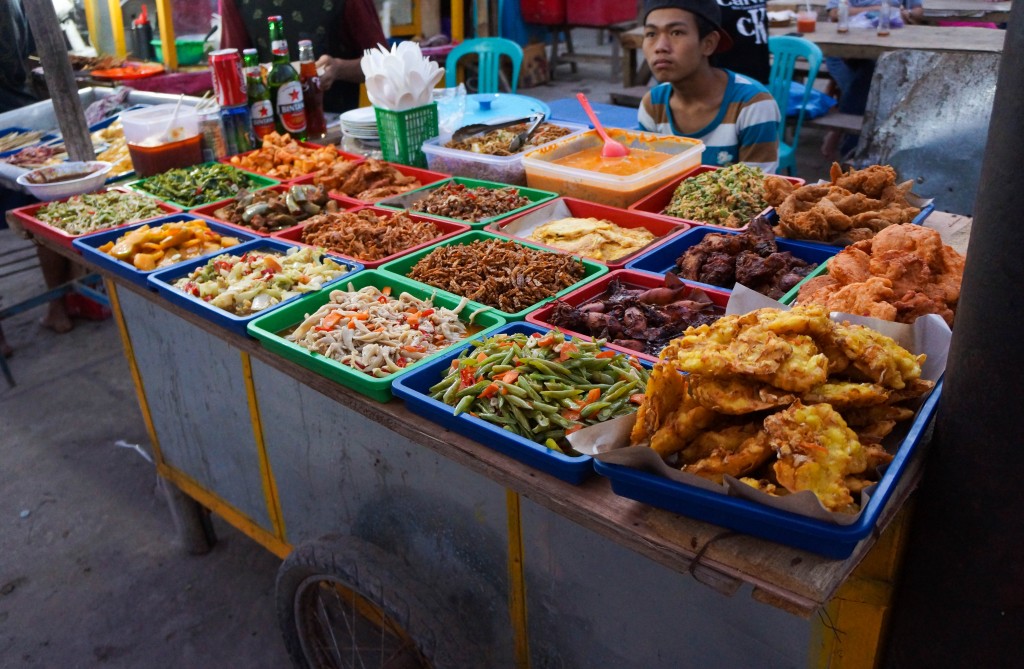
[(489, 50), (785, 52)]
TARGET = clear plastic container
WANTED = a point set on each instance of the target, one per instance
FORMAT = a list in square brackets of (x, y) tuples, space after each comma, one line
[(611, 189), (503, 169), (151, 126)]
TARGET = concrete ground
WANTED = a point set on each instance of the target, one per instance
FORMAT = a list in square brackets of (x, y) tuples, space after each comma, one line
[(90, 573)]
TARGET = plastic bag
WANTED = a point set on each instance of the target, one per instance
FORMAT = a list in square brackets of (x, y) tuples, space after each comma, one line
[(817, 105), (869, 20)]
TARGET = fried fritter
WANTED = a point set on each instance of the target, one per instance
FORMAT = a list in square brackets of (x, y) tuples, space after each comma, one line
[(816, 451), (735, 451), (735, 395), (666, 390), (878, 357), (846, 394)]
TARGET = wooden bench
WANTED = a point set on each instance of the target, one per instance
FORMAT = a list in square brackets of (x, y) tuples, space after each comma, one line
[(848, 123)]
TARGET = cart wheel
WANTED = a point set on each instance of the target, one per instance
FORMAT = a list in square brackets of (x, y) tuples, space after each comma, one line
[(342, 602)]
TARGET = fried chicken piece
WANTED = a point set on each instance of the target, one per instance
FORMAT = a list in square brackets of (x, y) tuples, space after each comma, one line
[(878, 357), (871, 181), (914, 304), (735, 451), (735, 395), (777, 189), (853, 204), (870, 298), (816, 451)]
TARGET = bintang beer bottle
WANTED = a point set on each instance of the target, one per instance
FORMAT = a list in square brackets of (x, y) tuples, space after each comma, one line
[(311, 93), (260, 109), (285, 88)]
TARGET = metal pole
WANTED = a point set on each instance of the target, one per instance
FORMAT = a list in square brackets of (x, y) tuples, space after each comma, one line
[(60, 80), (960, 601)]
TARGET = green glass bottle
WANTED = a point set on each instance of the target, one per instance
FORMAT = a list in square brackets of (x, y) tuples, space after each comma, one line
[(261, 111), (285, 86)]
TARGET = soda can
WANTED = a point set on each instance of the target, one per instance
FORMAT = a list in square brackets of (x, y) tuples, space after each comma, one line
[(214, 144), (228, 79), (237, 128)]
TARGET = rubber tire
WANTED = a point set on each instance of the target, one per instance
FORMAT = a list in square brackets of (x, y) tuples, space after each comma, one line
[(385, 581)]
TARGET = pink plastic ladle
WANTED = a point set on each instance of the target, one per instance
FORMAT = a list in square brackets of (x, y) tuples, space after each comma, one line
[(612, 148)]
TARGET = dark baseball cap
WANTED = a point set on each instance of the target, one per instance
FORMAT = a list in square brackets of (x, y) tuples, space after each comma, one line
[(706, 9)]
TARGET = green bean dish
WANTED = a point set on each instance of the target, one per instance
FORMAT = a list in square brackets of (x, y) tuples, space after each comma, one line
[(729, 197), (542, 387), (198, 185)]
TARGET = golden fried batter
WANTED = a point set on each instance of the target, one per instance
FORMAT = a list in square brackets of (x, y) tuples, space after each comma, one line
[(735, 451), (846, 394), (878, 357), (816, 451), (735, 395), (666, 390)]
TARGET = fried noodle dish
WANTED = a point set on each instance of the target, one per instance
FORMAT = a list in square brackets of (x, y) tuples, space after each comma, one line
[(784, 401), (853, 207), (364, 235)]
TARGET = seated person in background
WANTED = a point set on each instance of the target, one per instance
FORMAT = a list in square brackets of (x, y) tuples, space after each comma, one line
[(735, 116), (853, 75), (747, 25)]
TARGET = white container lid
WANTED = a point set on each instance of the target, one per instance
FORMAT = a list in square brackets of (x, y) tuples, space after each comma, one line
[(151, 126)]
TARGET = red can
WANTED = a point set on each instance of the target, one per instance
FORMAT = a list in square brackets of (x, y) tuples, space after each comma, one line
[(228, 80)]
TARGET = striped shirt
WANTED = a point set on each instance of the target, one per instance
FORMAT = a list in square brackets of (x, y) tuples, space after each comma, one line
[(745, 130)]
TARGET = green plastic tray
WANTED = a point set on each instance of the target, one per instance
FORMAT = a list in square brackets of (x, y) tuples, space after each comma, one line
[(405, 200), (401, 267), (259, 180), (790, 297), (266, 329)]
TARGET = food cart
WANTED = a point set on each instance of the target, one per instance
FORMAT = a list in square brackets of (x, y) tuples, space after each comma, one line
[(459, 552)]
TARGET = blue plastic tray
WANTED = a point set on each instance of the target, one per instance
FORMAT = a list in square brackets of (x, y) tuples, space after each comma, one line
[(163, 282), (662, 259), (7, 131), (414, 389), (749, 517), (88, 246)]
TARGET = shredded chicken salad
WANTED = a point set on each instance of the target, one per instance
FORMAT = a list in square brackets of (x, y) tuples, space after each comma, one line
[(376, 333), (254, 281)]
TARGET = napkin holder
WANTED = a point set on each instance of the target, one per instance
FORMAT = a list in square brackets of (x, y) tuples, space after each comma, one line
[(402, 133)]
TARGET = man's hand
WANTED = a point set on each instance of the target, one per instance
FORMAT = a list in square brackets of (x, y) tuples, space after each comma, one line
[(328, 68)]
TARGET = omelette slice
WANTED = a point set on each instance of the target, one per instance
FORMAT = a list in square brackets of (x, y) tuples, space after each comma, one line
[(592, 237)]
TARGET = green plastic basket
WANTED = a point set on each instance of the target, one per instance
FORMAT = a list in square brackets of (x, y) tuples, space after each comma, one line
[(405, 200), (790, 297), (400, 268), (402, 133), (267, 328)]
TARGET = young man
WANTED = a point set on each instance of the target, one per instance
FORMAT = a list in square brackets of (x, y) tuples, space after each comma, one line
[(735, 116)]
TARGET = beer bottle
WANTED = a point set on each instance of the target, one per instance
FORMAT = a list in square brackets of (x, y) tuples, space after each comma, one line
[(284, 85), (312, 96), (261, 111)]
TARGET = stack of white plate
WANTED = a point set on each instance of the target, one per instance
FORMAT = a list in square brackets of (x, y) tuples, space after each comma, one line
[(361, 124)]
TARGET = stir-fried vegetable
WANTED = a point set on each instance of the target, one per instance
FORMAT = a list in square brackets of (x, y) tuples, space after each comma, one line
[(198, 185), (542, 387), (98, 211), (730, 196), (256, 280), (376, 333)]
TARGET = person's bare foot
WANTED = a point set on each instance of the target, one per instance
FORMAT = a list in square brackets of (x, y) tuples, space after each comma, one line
[(830, 144), (57, 318)]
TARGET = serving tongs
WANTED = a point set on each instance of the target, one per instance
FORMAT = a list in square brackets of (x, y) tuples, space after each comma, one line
[(467, 131)]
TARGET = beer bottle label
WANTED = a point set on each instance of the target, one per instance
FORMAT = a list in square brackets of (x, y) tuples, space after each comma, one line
[(290, 108), (279, 46), (262, 114)]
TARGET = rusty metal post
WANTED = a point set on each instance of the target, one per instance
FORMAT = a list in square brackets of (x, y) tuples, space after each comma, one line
[(961, 596)]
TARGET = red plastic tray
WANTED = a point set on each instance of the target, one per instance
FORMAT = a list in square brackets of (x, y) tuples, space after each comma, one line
[(655, 202), (599, 13), (597, 288), (355, 157), (426, 178), (207, 211), (26, 216), (663, 227), (448, 229)]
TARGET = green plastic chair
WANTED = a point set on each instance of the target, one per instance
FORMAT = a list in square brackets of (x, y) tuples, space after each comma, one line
[(785, 52), (489, 50)]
